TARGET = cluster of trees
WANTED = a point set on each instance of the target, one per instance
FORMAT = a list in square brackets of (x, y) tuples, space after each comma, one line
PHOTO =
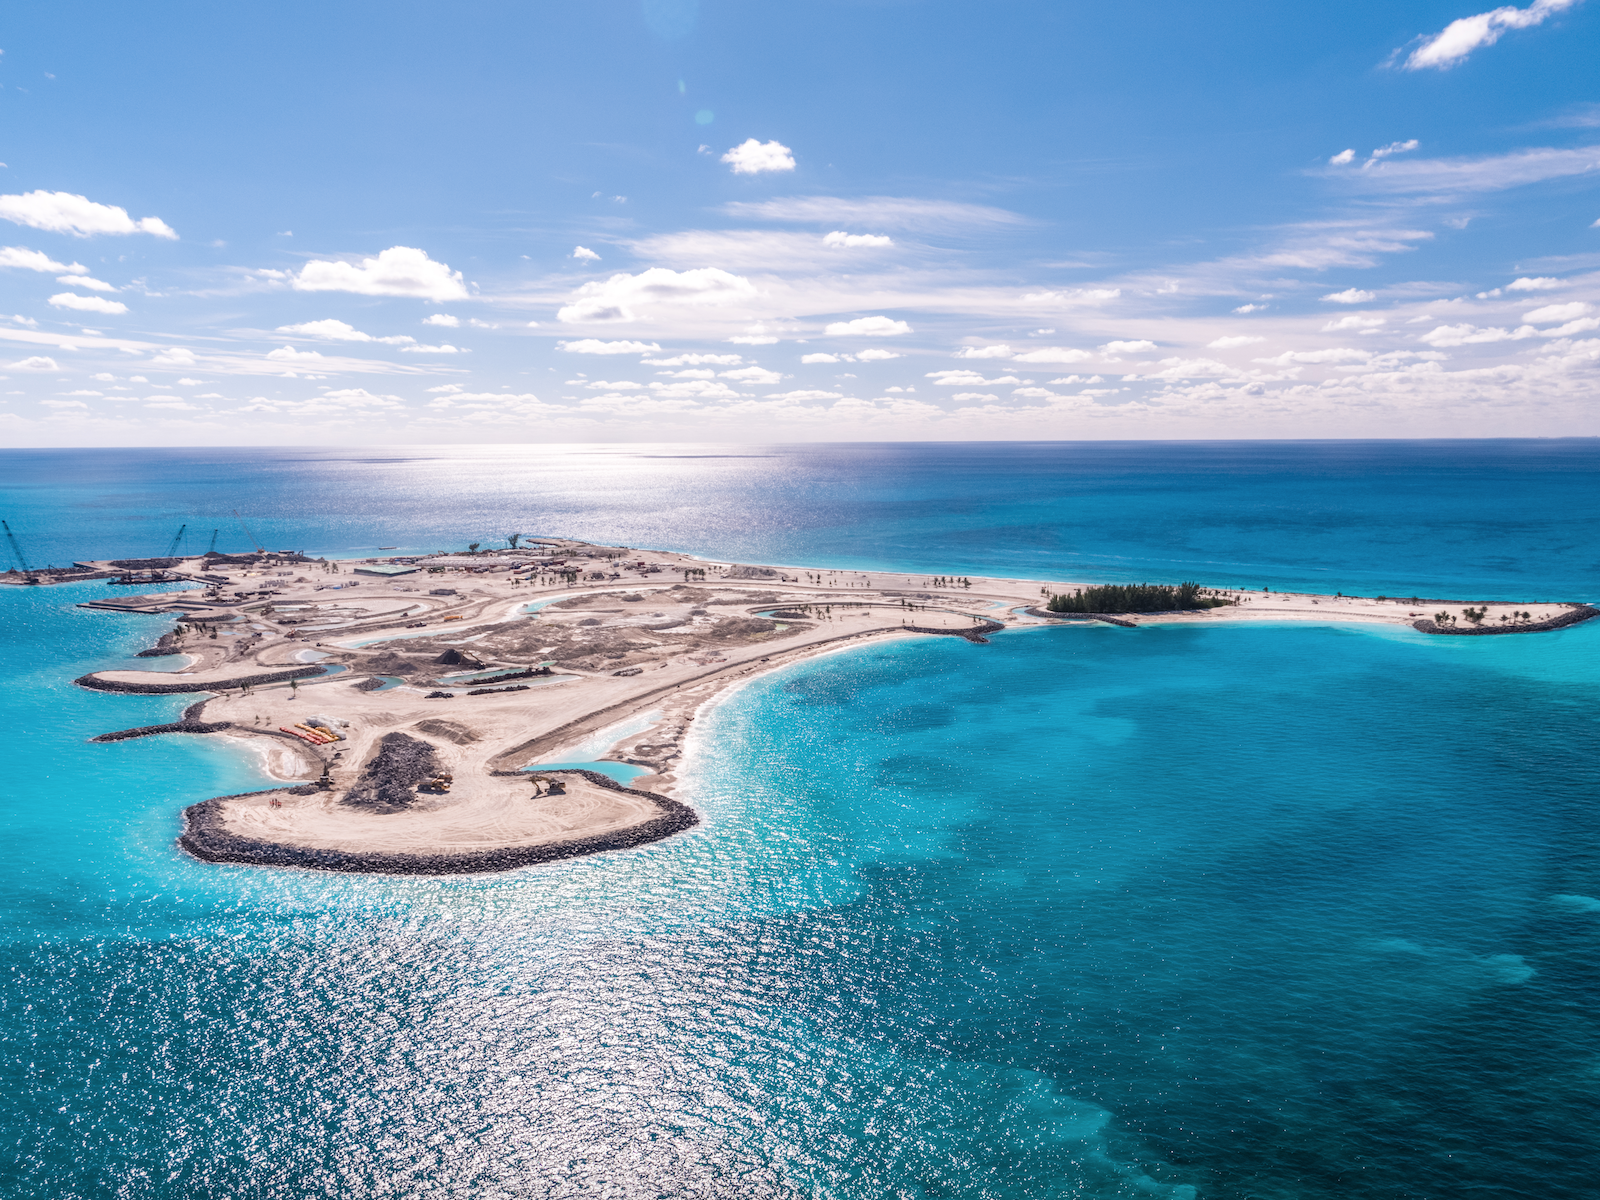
[(942, 581), (1137, 597)]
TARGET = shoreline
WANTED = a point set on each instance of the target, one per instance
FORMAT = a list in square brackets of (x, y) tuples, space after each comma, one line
[(416, 665)]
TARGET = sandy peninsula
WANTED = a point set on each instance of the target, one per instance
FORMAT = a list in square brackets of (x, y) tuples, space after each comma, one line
[(402, 703)]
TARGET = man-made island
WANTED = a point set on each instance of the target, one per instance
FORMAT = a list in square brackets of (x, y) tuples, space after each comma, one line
[(403, 701)]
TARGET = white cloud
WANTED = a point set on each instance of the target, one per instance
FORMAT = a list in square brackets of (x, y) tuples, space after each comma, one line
[(447, 388), (1361, 321), (397, 271), (884, 212), (1233, 343), (819, 358), (22, 320), (974, 396), (626, 385), (1344, 156), (1349, 296), (868, 327), (63, 404), (84, 281), (687, 360), (1000, 351), (1555, 312), (751, 157), (705, 389), (1073, 296), (333, 330), (1245, 309), (1462, 335), (290, 354), (1542, 283), (63, 212), (584, 254), (752, 339), (1461, 37), (34, 260), (753, 375), (851, 241), (95, 304), (1053, 354), (426, 349), (875, 354), (445, 320), (174, 356), (36, 363), (689, 373), (595, 346), (1383, 152), (968, 379), (805, 394), (616, 298), (1139, 347)]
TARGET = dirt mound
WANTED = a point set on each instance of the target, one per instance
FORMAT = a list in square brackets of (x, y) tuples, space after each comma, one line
[(459, 658), (389, 784), (751, 573), (737, 627), (390, 663), (453, 731), (368, 685)]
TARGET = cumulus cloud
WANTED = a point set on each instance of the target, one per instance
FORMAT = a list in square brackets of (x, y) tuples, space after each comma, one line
[(1364, 322), (1542, 283), (1348, 296), (95, 304), (620, 297), (595, 346), (333, 330), (1343, 354), (1139, 347), (751, 157), (1344, 156), (444, 320), (840, 239), (425, 349), (1053, 354), (1246, 309), (1555, 312), (805, 394), (1000, 351), (173, 356), (819, 358), (36, 363), (1383, 152), (1461, 37), (868, 327), (397, 271), (584, 254), (34, 260), (85, 281), (63, 212), (1233, 343), (875, 354), (290, 354), (753, 375)]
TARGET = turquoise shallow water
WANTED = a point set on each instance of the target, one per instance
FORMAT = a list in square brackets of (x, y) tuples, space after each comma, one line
[(1255, 911)]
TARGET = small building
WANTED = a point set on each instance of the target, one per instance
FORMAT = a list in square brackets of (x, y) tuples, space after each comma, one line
[(386, 570)]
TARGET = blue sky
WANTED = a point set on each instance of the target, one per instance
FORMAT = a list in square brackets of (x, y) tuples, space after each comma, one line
[(636, 220)]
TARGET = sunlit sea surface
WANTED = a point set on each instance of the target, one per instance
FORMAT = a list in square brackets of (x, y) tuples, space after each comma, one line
[(1249, 911)]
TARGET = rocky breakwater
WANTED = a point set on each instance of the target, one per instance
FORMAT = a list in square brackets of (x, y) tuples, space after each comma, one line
[(391, 823), (190, 722), (1575, 615), (95, 683)]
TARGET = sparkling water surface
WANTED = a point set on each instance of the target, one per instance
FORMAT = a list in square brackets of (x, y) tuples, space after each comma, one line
[(1248, 911)]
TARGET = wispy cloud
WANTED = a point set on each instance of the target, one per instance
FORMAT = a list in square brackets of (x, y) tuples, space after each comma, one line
[(883, 212), (1460, 38)]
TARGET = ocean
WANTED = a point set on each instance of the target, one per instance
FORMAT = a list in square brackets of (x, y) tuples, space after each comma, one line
[(1250, 911)]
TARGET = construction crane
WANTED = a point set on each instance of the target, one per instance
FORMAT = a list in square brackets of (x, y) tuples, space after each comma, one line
[(172, 550), (259, 547), (16, 549), (211, 549)]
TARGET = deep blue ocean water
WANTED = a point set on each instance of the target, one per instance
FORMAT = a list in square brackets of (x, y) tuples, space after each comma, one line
[(1249, 911)]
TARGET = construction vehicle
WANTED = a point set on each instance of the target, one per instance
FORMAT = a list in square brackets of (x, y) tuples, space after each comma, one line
[(172, 550), (260, 549), (29, 575)]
